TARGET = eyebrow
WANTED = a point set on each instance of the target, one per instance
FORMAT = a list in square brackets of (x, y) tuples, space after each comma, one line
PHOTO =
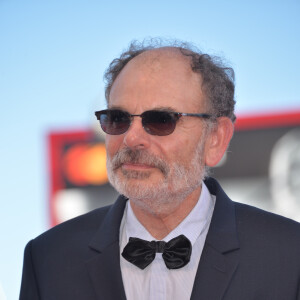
[(115, 107), (164, 108)]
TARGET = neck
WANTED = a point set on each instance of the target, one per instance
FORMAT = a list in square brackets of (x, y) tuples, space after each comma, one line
[(160, 223)]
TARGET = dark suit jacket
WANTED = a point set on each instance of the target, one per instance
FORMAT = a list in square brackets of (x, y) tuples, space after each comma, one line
[(249, 254)]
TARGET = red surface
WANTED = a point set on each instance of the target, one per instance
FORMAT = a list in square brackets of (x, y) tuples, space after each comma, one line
[(57, 140), (268, 120)]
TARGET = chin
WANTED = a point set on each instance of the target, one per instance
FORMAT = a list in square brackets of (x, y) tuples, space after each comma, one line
[(136, 188), (132, 183)]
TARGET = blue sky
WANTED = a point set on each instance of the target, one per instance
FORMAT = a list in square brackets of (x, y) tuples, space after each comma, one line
[(52, 58)]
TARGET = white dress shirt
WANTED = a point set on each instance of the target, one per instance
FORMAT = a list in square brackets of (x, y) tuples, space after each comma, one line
[(156, 281)]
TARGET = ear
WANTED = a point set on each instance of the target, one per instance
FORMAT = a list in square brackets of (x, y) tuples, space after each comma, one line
[(218, 140)]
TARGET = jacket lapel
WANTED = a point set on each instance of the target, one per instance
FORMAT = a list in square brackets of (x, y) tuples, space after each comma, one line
[(104, 266), (220, 256)]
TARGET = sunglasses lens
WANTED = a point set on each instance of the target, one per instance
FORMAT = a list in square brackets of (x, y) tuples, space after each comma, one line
[(159, 122), (114, 121)]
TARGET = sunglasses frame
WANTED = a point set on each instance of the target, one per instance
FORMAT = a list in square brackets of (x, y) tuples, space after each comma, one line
[(175, 116)]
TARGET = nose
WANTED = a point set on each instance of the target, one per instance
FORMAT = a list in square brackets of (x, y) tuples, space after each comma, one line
[(136, 137)]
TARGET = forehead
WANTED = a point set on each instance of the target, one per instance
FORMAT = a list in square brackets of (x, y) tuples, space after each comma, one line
[(158, 78)]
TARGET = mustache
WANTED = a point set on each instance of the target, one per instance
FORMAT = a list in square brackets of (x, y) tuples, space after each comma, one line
[(138, 156)]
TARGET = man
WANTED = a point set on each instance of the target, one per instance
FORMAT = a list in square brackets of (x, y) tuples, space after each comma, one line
[(170, 116)]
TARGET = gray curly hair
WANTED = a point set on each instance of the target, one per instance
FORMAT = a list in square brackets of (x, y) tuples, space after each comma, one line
[(217, 79)]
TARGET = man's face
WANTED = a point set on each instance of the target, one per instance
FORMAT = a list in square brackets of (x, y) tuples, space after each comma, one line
[(153, 170)]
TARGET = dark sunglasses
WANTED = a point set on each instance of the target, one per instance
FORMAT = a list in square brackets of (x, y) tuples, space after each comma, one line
[(155, 122)]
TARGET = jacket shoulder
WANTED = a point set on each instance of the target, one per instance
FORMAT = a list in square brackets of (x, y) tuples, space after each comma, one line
[(262, 227), (80, 228), (254, 214)]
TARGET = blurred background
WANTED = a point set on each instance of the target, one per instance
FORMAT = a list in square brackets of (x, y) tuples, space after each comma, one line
[(52, 58)]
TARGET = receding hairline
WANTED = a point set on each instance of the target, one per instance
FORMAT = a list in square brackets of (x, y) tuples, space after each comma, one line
[(169, 52), (159, 58)]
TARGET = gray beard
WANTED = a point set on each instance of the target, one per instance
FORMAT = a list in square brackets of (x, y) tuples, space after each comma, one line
[(178, 181)]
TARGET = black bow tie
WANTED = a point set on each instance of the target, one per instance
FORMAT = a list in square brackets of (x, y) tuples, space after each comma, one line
[(176, 253)]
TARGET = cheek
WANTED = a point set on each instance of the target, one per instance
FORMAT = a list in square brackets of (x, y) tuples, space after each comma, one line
[(175, 151), (187, 149)]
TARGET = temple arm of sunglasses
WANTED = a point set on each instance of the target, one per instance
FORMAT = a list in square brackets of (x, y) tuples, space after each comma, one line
[(205, 116)]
